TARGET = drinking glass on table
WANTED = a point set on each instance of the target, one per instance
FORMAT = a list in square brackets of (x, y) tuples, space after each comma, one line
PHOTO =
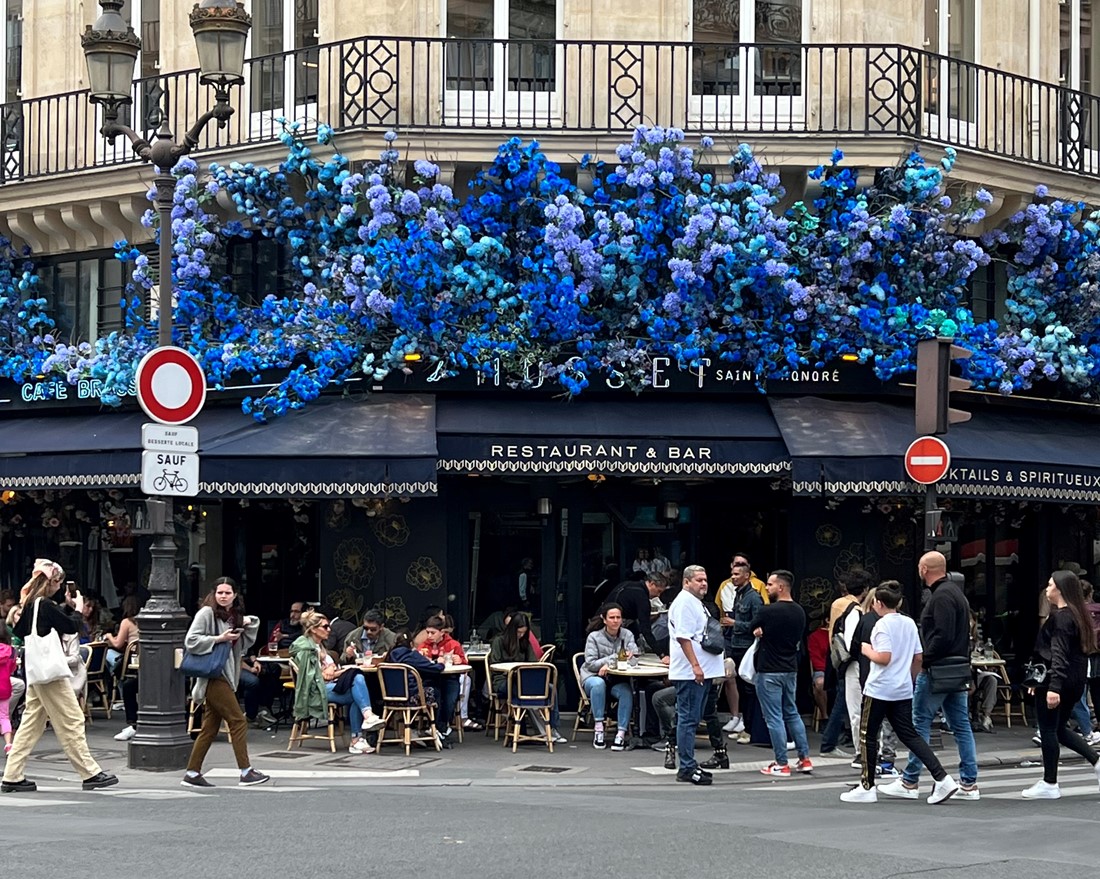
[(448, 659), (273, 647), (632, 660)]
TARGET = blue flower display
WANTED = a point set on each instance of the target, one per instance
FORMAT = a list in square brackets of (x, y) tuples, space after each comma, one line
[(672, 250)]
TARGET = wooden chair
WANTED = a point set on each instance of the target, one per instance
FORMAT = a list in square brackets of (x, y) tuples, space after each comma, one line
[(1005, 693), (404, 704), (548, 651), (131, 660), (531, 687), (300, 727), (194, 724), (497, 712), (584, 705), (95, 663)]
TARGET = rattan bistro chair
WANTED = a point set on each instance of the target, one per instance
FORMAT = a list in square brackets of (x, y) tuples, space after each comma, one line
[(531, 688), (404, 704), (99, 683), (300, 727)]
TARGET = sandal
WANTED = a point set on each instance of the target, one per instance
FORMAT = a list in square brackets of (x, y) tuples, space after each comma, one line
[(472, 724)]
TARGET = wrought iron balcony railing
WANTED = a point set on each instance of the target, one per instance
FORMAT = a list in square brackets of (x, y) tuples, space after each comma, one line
[(535, 87)]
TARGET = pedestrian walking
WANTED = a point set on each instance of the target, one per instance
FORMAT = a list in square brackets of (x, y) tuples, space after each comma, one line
[(944, 679), (895, 655), (50, 694), (221, 619), (693, 670), (1064, 644), (779, 628)]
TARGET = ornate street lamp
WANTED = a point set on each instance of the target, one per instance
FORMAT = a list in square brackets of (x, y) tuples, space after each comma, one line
[(111, 48)]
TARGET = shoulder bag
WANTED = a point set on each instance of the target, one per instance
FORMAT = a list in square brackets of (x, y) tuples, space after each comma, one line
[(714, 639), (1036, 675), (43, 657), (951, 674), (206, 665)]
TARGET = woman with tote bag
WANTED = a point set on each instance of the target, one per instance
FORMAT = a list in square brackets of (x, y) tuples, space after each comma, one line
[(50, 693)]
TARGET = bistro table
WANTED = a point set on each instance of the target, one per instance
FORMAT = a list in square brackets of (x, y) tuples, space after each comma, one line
[(986, 662)]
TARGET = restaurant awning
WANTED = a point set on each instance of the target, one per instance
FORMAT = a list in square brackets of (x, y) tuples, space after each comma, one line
[(857, 448), (609, 437), (332, 448)]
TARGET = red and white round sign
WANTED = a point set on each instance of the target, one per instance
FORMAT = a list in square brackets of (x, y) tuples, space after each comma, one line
[(927, 460), (171, 386)]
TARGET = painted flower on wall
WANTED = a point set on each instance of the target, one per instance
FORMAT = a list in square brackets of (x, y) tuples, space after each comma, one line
[(390, 530), (424, 574), (347, 604), (828, 535), (393, 610), (354, 563)]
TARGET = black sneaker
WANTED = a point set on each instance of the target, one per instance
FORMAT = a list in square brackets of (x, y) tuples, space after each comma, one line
[(660, 745), (598, 741), (195, 781), (696, 776), (720, 760), (670, 756), (619, 743), (253, 777), (23, 786), (99, 780)]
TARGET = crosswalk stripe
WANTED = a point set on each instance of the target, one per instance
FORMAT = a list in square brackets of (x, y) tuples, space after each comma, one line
[(321, 773), (1009, 777), (1082, 791)]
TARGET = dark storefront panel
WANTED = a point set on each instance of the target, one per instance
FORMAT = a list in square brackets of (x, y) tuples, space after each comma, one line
[(841, 448)]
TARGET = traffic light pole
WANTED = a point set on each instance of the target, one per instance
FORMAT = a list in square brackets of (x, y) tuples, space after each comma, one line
[(930, 501)]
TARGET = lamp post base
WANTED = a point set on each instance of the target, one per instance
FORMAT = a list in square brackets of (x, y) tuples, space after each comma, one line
[(159, 756)]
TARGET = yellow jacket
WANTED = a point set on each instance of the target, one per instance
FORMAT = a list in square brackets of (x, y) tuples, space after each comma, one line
[(757, 584)]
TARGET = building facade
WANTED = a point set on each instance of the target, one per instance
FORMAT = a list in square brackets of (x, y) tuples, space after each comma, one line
[(415, 490)]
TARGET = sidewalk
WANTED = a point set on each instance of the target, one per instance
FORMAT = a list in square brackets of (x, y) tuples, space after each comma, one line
[(478, 760)]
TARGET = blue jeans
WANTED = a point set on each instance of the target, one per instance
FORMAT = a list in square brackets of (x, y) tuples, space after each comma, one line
[(690, 698), (956, 711), (448, 687), (357, 697), (596, 688), (834, 726), (775, 690), (1081, 713)]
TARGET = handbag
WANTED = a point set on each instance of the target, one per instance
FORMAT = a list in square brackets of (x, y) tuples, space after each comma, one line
[(714, 639), (43, 657), (206, 665), (952, 674), (344, 682), (747, 668), (1036, 674)]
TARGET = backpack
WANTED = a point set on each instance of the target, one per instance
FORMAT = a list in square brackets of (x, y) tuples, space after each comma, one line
[(840, 649)]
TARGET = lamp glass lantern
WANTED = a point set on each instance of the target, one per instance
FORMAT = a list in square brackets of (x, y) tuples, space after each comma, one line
[(110, 48), (221, 34)]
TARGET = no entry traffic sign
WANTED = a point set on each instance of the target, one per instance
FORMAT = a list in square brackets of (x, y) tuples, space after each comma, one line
[(927, 460), (171, 386)]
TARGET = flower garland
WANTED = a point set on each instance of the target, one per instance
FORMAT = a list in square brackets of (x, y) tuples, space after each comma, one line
[(548, 282)]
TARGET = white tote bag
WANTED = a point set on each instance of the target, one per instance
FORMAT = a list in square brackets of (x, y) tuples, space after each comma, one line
[(43, 657), (747, 668)]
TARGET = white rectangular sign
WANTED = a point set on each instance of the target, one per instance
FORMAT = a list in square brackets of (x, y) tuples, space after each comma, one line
[(167, 438), (170, 473)]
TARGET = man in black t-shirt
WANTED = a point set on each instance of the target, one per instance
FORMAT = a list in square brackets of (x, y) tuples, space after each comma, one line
[(780, 628), (634, 598)]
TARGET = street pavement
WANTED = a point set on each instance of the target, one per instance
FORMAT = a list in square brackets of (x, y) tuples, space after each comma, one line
[(480, 810)]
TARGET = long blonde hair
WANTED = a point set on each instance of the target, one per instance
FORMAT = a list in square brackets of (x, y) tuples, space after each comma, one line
[(44, 582)]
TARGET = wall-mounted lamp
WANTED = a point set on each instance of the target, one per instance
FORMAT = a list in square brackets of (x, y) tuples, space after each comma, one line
[(543, 506), (668, 512)]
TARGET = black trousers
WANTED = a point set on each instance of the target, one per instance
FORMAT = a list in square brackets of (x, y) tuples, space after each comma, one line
[(1053, 731), (900, 715)]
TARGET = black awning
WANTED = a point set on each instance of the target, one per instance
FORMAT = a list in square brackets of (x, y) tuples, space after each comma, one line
[(332, 448), (858, 448), (631, 438)]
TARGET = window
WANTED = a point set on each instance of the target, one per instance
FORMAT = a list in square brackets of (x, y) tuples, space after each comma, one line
[(113, 278), (84, 294), (280, 27), (13, 51), (951, 30), (1079, 43), (257, 267), (502, 61), (989, 291)]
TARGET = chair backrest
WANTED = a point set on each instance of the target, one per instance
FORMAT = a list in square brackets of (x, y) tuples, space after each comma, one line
[(397, 681), (130, 659), (578, 661), (548, 651), (532, 684), (96, 662)]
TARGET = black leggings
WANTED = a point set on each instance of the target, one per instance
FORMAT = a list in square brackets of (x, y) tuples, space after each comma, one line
[(900, 715), (1053, 730)]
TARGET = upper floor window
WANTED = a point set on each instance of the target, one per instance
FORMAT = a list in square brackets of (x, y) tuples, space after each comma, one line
[(84, 294), (282, 82), (1079, 43), (257, 267), (13, 51), (483, 30), (951, 29), (720, 27)]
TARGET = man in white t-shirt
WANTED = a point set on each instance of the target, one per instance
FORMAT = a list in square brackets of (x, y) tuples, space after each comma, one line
[(691, 669), (895, 655)]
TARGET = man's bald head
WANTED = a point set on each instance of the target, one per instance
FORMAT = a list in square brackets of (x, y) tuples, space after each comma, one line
[(932, 566)]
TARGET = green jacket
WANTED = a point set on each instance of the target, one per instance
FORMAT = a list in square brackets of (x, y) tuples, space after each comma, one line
[(310, 695)]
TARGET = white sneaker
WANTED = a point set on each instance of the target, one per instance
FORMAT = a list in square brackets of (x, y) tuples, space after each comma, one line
[(1041, 790), (1095, 769), (898, 789), (968, 793), (372, 721), (860, 794), (126, 734), (942, 791), (734, 724), (1093, 738), (118, 705), (360, 746), (557, 738)]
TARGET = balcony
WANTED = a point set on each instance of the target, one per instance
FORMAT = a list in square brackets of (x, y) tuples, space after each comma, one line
[(449, 88)]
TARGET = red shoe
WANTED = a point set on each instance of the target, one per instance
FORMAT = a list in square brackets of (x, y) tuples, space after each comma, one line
[(777, 770), (805, 765)]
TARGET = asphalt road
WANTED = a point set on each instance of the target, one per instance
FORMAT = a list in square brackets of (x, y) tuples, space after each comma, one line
[(559, 826)]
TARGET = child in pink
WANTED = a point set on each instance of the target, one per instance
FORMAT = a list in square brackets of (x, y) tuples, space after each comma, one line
[(7, 669)]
